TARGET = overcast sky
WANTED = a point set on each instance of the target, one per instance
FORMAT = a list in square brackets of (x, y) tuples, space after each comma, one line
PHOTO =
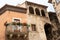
[(15, 2)]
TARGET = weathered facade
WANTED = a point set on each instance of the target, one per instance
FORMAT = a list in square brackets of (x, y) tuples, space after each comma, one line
[(56, 5), (28, 21)]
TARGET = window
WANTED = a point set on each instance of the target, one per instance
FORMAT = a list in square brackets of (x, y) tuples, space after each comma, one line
[(42, 12), (16, 20), (37, 11), (33, 27), (31, 10), (53, 17)]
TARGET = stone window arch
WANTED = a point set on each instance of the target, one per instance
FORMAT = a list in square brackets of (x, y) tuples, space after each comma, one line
[(31, 10), (37, 11), (43, 12)]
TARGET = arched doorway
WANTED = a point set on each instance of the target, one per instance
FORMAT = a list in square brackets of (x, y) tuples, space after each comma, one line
[(48, 31)]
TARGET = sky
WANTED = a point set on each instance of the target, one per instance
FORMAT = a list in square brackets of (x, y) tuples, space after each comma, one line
[(16, 2)]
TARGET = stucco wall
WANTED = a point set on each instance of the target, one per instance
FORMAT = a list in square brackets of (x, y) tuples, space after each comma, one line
[(8, 16)]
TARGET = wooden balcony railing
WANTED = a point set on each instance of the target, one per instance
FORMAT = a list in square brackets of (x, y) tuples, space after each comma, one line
[(16, 30)]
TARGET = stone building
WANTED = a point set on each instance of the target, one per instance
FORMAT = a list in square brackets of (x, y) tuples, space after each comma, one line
[(56, 5), (28, 21)]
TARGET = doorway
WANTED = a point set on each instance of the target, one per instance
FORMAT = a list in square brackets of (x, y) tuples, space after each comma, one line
[(48, 31)]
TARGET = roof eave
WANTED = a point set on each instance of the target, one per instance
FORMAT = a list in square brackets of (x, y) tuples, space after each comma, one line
[(13, 8), (37, 4)]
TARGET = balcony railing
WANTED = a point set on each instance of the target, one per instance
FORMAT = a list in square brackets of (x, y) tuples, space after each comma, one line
[(16, 30)]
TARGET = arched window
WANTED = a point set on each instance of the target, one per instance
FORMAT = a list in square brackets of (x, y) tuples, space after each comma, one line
[(37, 11), (43, 13), (31, 10)]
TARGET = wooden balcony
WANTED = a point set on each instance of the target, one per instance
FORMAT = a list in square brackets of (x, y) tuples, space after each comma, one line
[(16, 30)]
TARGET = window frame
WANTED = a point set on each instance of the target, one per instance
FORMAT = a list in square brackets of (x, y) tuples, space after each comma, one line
[(43, 13), (32, 10), (37, 11), (15, 18), (33, 27)]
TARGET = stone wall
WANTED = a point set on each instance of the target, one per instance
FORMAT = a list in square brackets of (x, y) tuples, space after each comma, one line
[(40, 21), (34, 36)]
